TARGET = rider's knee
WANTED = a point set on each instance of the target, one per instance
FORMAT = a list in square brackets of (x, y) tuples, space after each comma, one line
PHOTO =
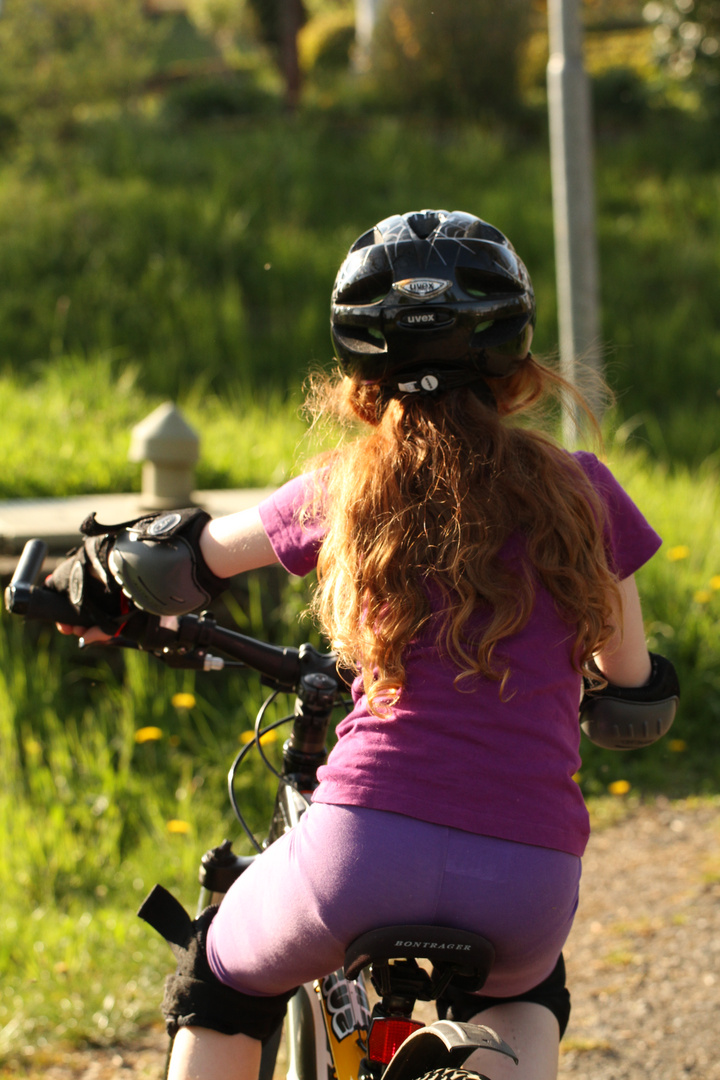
[(194, 996)]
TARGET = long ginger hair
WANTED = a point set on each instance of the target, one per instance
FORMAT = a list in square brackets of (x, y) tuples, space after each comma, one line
[(427, 497)]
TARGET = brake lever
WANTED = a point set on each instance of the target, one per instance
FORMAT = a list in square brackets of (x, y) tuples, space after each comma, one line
[(111, 643)]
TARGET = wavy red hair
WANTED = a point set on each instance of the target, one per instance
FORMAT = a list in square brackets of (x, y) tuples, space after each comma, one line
[(431, 492)]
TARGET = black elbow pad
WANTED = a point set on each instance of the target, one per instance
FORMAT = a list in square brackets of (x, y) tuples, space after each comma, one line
[(158, 563), (630, 718)]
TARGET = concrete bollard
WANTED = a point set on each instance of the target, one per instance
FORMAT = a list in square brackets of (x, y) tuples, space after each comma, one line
[(168, 448)]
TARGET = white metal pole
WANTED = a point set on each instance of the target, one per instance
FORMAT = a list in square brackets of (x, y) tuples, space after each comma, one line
[(573, 200), (365, 18)]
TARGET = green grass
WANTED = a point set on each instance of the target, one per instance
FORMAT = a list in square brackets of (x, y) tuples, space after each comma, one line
[(67, 429), (205, 254), (210, 252)]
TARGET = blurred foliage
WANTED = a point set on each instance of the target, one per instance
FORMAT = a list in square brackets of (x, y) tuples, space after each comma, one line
[(280, 22), (225, 21), (452, 57), (183, 43), (620, 96), (326, 42), (617, 45), (610, 14), (233, 93), (62, 56), (686, 36)]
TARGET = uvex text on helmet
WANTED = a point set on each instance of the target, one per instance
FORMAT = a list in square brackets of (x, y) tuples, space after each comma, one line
[(432, 287)]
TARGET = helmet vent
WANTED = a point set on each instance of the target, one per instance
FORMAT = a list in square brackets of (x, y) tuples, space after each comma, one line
[(483, 283), (362, 340), (424, 223), (366, 290)]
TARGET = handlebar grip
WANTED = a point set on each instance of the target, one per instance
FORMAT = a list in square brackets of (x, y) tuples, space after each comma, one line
[(19, 591), (24, 597), (30, 563)]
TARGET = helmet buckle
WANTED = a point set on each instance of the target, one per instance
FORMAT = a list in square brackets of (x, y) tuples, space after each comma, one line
[(428, 384)]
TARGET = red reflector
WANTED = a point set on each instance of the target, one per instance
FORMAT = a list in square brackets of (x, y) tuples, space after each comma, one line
[(387, 1035)]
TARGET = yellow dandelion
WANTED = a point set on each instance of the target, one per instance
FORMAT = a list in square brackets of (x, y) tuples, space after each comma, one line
[(619, 787), (680, 551), (268, 737), (715, 582), (183, 701), (677, 746), (702, 596), (577, 777), (178, 827), (148, 734)]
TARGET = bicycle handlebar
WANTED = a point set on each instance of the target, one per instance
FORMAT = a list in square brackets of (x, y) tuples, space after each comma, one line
[(282, 667)]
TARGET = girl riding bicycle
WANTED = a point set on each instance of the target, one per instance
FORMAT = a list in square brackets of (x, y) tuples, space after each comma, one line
[(471, 573)]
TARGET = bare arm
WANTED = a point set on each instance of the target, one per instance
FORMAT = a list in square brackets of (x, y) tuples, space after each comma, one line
[(625, 660), (236, 543)]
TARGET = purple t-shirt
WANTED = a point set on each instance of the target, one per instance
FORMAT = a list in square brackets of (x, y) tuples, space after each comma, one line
[(463, 757)]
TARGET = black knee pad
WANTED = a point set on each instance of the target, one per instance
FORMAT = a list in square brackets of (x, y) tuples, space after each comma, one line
[(194, 996), (552, 992)]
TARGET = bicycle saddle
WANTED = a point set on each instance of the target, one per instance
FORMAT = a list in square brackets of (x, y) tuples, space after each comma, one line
[(454, 954)]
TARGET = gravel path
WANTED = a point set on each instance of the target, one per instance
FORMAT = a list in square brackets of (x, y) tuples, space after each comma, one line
[(643, 959), (644, 954)]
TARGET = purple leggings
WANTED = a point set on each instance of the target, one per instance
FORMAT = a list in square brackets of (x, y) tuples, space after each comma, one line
[(346, 869)]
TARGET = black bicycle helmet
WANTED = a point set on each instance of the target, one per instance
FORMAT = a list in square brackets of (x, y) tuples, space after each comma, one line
[(432, 290)]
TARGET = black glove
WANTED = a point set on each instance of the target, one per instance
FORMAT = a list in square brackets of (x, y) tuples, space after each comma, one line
[(84, 578)]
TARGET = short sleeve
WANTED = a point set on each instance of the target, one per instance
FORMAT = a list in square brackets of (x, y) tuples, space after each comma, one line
[(295, 536), (630, 539)]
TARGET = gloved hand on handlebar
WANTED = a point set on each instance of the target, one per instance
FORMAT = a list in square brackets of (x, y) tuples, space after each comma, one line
[(85, 579), (153, 564)]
